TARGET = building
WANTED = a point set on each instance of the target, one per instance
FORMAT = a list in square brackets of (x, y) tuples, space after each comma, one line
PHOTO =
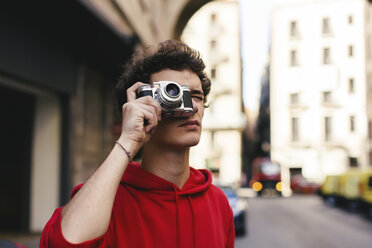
[(320, 87), (214, 31), (262, 132), (59, 63)]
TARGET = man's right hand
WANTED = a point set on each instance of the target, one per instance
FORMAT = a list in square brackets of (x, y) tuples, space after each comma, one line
[(140, 117), (87, 215)]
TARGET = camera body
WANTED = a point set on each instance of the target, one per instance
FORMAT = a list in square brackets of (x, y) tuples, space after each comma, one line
[(174, 99)]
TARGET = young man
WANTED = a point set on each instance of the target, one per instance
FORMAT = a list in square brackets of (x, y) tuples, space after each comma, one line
[(162, 202)]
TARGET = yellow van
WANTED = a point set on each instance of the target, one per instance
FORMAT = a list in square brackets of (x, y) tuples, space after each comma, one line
[(329, 188), (349, 192), (366, 193)]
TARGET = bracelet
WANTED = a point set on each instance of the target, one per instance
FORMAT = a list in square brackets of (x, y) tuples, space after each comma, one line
[(125, 150)]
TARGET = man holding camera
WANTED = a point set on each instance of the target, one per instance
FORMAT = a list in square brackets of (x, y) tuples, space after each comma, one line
[(162, 202)]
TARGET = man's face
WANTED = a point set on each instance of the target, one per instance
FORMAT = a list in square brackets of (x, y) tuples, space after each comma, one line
[(181, 132)]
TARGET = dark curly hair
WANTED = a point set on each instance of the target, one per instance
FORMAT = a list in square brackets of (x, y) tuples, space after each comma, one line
[(169, 54)]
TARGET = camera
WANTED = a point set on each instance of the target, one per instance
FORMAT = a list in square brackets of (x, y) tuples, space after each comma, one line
[(175, 100)]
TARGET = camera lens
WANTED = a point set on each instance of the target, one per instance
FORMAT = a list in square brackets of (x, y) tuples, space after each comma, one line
[(169, 94), (172, 90)]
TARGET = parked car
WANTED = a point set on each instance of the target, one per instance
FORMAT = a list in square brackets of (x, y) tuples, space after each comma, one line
[(329, 188), (349, 191), (266, 177), (10, 244), (366, 193), (239, 208), (301, 185)]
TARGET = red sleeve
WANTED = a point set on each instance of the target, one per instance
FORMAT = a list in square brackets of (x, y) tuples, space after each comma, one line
[(231, 233), (52, 235)]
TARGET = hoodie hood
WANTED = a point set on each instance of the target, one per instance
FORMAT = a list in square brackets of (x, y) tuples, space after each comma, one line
[(137, 177)]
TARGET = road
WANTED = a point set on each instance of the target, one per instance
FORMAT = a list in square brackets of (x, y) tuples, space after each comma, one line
[(302, 222)]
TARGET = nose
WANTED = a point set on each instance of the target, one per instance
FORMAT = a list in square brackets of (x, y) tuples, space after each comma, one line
[(195, 107)]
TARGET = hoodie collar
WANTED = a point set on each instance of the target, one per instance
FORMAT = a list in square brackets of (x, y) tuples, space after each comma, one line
[(137, 177)]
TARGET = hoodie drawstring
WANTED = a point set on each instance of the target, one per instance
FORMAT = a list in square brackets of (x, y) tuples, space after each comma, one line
[(193, 222)]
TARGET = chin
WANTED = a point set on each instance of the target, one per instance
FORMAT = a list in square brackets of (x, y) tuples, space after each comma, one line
[(193, 143), (192, 140), (185, 143)]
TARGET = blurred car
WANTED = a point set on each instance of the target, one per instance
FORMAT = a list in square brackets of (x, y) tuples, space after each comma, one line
[(239, 208), (10, 244), (349, 189), (301, 185), (366, 193), (329, 188), (266, 177)]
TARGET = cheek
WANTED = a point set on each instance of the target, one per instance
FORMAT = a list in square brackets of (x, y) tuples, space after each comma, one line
[(164, 129), (201, 111)]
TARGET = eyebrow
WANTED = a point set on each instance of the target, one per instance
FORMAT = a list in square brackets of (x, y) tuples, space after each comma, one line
[(197, 92)]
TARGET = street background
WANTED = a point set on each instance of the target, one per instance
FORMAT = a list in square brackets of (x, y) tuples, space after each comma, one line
[(291, 86), (302, 222)]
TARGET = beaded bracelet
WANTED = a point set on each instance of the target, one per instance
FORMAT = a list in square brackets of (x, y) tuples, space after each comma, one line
[(125, 150)]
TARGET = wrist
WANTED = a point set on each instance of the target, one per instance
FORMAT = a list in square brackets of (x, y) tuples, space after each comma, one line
[(125, 150), (129, 145)]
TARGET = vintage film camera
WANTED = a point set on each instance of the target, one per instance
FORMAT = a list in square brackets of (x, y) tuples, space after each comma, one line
[(175, 100)]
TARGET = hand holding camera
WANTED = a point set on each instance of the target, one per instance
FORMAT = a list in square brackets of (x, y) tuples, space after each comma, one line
[(134, 113), (147, 104)]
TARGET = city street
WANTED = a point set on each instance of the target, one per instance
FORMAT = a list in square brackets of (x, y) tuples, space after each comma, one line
[(302, 222)]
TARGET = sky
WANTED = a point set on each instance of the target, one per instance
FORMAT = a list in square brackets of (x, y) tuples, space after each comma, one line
[(255, 20), (255, 42)]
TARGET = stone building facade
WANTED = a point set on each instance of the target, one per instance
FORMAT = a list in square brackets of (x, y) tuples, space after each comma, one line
[(59, 63)]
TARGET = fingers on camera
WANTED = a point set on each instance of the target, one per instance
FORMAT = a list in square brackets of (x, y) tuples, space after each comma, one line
[(131, 91), (152, 103)]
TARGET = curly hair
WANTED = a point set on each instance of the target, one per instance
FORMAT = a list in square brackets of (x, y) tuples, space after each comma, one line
[(169, 54)]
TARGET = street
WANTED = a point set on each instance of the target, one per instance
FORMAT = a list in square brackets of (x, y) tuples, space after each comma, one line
[(302, 222)]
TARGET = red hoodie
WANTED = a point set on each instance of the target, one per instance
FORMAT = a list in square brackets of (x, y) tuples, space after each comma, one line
[(152, 212)]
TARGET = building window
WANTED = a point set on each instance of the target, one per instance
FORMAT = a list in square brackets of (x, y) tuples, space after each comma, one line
[(213, 44), (295, 129), (326, 55), (327, 128), (350, 19), (327, 96), (353, 162), (352, 123), (293, 58), (326, 26), (214, 26), (350, 51), (351, 85), (213, 72), (293, 29), (213, 17), (370, 130), (293, 97)]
